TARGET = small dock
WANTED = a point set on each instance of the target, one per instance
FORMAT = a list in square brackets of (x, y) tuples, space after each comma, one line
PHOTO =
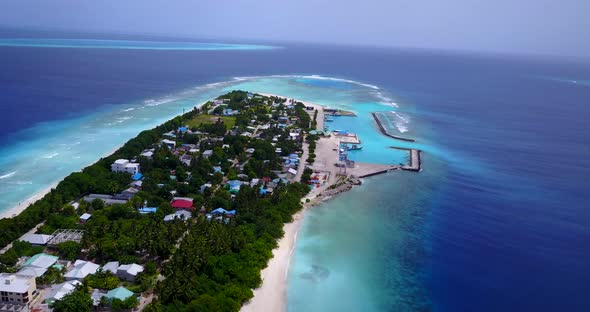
[(364, 170), (387, 133), (338, 112), (415, 161), (349, 139)]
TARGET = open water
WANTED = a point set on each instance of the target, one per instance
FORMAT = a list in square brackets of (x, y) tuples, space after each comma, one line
[(498, 219)]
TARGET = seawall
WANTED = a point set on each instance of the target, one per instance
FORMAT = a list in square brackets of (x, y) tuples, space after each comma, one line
[(388, 134), (415, 160)]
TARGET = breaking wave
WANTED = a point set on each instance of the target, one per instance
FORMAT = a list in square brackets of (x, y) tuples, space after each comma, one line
[(152, 102), (49, 156), (123, 119), (318, 77), (401, 122), (8, 175)]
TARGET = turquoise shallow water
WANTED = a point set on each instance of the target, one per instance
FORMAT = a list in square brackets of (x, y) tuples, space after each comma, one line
[(504, 185), (49, 151), (376, 148), (362, 99), (351, 252), (342, 259), (362, 251)]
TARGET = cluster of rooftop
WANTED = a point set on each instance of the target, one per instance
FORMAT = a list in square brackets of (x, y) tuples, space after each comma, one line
[(138, 206)]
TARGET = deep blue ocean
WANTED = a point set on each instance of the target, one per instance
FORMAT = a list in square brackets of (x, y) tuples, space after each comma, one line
[(499, 218)]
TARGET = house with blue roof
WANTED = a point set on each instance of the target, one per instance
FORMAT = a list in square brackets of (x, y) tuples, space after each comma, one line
[(37, 265), (136, 177), (146, 210), (120, 293), (230, 112), (41, 260), (221, 211), (218, 211), (234, 185)]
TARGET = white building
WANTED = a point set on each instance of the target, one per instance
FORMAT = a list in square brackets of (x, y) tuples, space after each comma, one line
[(128, 272), (61, 290), (207, 153), (81, 269), (123, 165), (111, 267), (36, 239), (37, 265), (147, 153), (85, 217), (17, 289), (32, 271), (179, 214), (169, 143)]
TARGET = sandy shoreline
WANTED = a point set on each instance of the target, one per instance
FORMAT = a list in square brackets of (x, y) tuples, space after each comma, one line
[(272, 294), (20, 207), (16, 210)]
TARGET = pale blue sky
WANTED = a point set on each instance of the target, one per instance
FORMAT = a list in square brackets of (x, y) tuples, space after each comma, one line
[(520, 26)]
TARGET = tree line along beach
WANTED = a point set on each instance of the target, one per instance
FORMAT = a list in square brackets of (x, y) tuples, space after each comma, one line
[(194, 187)]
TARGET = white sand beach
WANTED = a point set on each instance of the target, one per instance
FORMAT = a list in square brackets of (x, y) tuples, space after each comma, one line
[(16, 210), (272, 295), (20, 207)]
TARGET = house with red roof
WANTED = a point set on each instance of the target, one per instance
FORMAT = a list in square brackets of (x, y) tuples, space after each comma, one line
[(182, 203)]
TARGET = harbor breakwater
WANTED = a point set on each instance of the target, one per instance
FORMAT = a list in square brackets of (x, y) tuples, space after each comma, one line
[(387, 133)]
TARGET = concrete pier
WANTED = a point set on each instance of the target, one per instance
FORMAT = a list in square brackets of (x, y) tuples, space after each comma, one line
[(415, 161), (386, 133), (363, 170), (348, 139)]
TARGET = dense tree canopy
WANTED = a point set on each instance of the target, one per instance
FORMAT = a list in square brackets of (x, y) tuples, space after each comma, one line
[(207, 265), (77, 301)]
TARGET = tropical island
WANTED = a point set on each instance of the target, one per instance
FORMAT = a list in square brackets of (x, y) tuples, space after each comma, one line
[(184, 217)]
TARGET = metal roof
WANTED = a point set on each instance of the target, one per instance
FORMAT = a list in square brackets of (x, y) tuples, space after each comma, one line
[(41, 261), (120, 293)]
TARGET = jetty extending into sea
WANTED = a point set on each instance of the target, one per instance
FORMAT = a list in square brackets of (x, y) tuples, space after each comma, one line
[(415, 163), (387, 133), (364, 170)]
